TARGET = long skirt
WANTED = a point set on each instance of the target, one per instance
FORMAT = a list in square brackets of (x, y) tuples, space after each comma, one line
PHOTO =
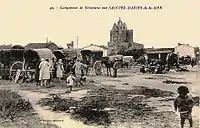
[(59, 73)]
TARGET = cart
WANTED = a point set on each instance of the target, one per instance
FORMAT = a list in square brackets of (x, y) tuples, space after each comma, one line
[(92, 58), (11, 60), (24, 60)]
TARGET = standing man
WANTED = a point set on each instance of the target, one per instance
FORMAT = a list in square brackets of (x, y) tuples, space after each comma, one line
[(192, 62), (54, 68), (44, 75), (78, 66), (115, 67)]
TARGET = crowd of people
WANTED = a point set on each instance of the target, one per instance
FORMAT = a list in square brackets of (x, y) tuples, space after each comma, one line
[(160, 66), (73, 72), (62, 70), (154, 67)]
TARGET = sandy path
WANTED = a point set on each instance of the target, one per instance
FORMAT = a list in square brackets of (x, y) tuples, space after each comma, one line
[(63, 120)]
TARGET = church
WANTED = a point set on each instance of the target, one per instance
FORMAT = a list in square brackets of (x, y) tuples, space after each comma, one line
[(121, 39)]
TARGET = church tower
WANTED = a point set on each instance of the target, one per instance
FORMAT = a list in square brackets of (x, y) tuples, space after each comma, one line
[(118, 32), (121, 39)]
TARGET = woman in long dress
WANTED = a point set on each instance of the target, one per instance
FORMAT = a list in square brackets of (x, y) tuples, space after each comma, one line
[(59, 69), (44, 72)]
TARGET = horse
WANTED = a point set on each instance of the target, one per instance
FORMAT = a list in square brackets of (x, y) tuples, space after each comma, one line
[(111, 64), (108, 64), (126, 64)]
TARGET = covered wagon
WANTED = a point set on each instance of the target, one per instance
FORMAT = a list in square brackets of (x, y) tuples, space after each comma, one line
[(68, 57), (88, 57), (33, 56), (111, 61), (116, 58), (128, 61), (92, 58), (25, 60), (31, 59), (9, 57), (65, 54)]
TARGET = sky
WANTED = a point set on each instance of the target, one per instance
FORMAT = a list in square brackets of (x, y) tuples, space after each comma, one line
[(26, 21)]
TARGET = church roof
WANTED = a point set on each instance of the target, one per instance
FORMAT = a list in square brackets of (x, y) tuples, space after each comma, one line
[(120, 24)]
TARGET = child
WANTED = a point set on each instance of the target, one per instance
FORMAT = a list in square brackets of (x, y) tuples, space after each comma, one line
[(184, 103), (71, 80)]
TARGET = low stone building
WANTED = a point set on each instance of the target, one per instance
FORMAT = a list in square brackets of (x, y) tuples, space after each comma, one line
[(52, 46), (158, 53), (184, 50), (94, 47)]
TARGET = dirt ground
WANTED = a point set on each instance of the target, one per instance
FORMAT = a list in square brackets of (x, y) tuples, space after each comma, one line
[(162, 114)]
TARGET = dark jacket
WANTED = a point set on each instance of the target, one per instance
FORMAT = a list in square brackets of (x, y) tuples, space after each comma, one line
[(184, 103)]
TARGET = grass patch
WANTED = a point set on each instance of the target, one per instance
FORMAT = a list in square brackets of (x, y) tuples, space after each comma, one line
[(12, 105), (175, 82), (102, 106), (16, 112)]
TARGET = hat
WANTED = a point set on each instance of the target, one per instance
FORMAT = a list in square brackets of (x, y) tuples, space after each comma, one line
[(183, 90)]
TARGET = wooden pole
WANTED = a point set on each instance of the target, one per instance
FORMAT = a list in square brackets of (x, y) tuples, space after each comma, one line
[(77, 41), (47, 41)]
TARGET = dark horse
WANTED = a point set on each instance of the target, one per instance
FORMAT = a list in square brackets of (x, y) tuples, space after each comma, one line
[(111, 64), (108, 64)]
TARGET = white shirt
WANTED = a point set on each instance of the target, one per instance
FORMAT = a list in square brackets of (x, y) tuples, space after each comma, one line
[(71, 80)]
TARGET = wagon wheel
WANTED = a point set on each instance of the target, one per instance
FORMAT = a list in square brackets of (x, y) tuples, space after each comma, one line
[(97, 67), (13, 69)]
